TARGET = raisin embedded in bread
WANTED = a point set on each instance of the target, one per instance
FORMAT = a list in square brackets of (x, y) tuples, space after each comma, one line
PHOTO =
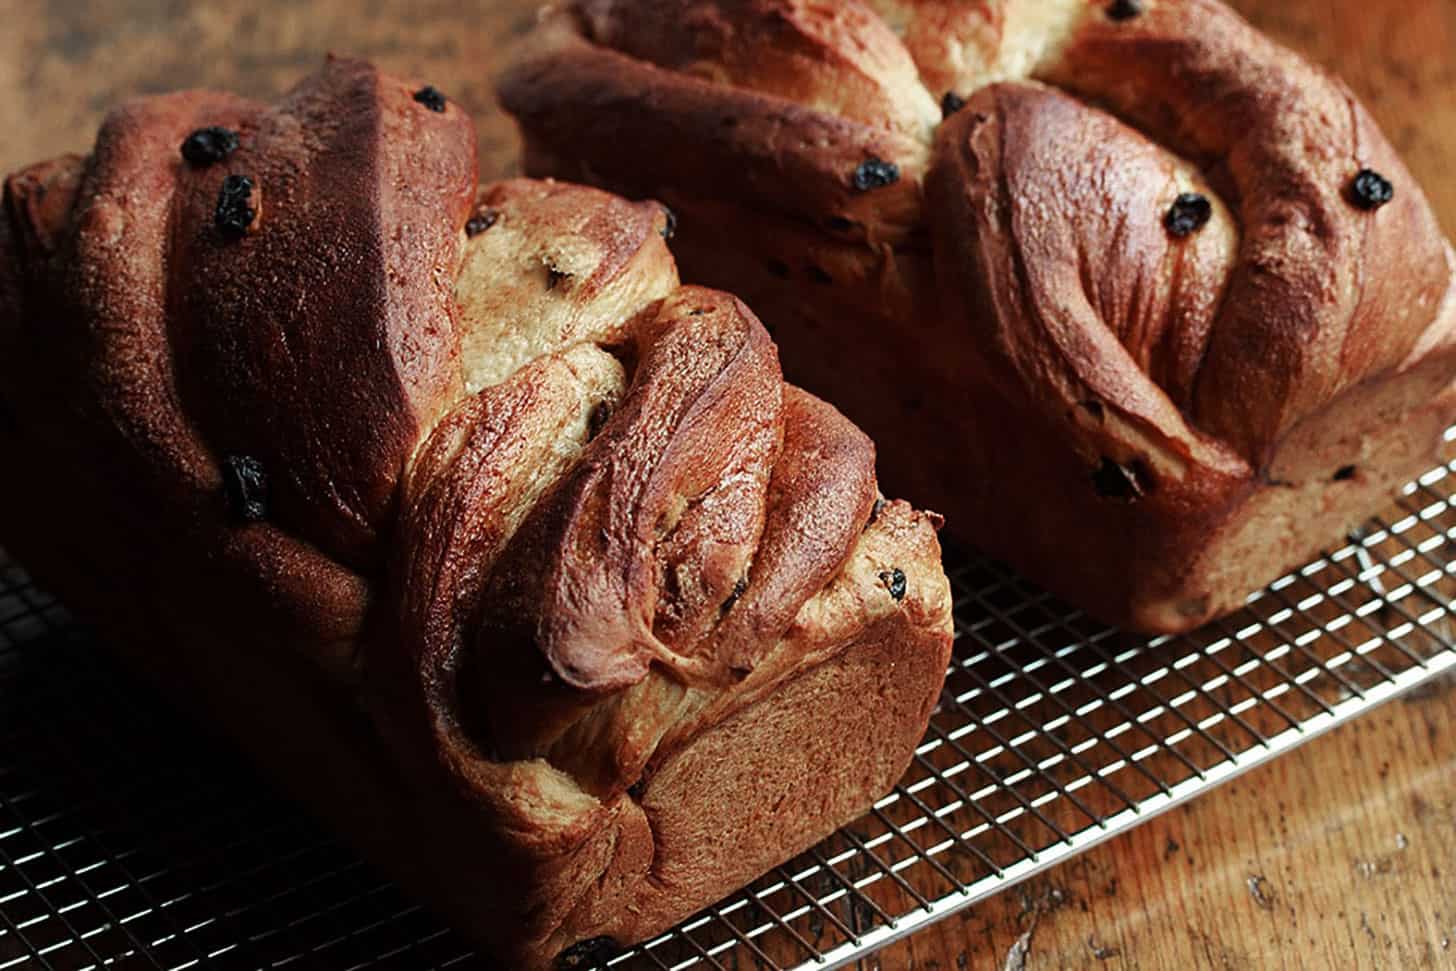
[(1115, 283), (513, 556)]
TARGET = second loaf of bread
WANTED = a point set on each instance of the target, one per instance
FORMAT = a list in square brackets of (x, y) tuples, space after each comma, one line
[(1144, 302)]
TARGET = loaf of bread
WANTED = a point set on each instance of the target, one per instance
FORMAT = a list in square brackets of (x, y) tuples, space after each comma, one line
[(513, 557), (1141, 300)]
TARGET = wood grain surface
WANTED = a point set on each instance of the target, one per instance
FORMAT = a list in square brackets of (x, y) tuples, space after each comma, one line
[(1341, 855)]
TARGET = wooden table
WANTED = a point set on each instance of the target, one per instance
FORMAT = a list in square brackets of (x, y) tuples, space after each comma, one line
[(1341, 855)]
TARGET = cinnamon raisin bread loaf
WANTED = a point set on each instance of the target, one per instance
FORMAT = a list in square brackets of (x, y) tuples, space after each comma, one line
[(1144, 302), (513, 557)]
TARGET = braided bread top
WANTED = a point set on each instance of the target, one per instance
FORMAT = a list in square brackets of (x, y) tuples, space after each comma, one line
[(477, 447), (1146, 204)]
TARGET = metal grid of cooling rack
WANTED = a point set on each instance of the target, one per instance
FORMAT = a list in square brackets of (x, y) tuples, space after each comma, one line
[(127, 840)]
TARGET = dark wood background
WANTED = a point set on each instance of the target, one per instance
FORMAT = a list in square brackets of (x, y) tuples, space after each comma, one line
[(1341, 855)]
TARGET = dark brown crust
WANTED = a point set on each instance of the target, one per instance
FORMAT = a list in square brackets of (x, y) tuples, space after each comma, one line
[(492, 456), (1061, 333), (765, 150), (329, 372), (76, 361)]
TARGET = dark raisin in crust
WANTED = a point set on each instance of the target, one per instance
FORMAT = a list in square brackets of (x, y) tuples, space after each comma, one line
[(951, 103), (894, 581), (208, 145), (245, 485), (1371, 190), (875, 173), (1116, 481), (430, 97), (235, 212), (1346, 473), (739, 589), (587, 954), (1124, 9), (480, 222), (1190, 213), (601, 413)]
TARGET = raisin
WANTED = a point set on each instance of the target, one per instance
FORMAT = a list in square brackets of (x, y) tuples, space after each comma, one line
[(739, 589), (875, 511), (1371, 190), (245, 484), (1114, 480), (598, 418), (1346, 473), (669, 227), (554, 276), (208, 145), (951, 103), (1124, 9), (894, 581), (840, 224), (430, 97), (587, 954), (480, 222), (1190, 213), (875, 173), (235, 212), (637, 789)]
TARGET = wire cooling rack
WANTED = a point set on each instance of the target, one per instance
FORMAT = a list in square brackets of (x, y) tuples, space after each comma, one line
[(127, 840)]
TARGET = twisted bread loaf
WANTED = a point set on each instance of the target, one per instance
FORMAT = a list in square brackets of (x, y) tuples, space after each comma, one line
[(515, 557), (1155, 291)]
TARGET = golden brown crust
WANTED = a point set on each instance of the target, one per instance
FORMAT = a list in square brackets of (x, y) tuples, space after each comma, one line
[(821, 495), (617, 568), (1049, 230), (1159, 373), (837, 58), (954, 42), (1315, 304), (550, 272), (539, 527)]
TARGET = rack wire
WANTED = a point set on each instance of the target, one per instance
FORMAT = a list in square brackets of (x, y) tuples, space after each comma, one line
[(128, 840)]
